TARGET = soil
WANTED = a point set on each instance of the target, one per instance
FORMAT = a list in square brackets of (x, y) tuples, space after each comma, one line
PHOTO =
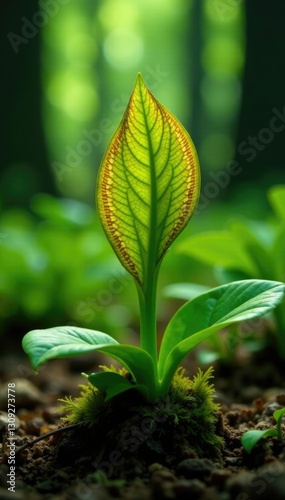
[(85, 464)]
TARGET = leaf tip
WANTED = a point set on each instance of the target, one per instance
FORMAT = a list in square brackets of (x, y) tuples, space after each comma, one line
[(139, 78)]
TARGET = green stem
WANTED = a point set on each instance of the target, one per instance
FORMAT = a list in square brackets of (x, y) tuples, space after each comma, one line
[(279, 429), (148, 327), (148, 333)]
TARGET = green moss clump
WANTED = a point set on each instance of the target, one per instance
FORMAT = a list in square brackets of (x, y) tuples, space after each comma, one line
[(86, 409), (90, 407), (180, 425), (188, 416)]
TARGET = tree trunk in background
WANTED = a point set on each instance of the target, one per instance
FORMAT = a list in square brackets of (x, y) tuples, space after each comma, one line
[(25, 169), (194, 71), (260, 149)]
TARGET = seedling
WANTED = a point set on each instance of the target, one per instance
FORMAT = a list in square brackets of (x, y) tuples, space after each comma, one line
[(251, 438), (148, 187)]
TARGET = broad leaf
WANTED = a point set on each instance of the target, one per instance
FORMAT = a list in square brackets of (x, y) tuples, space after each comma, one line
[(62, 342), (218, 248), (148, 184), (66, 341), (212, 311), (278, 253), (113, 384), (251, 438), (256, 239)]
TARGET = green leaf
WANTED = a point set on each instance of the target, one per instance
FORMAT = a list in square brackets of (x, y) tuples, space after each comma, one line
[(218, 248), (114, 383), (148, 184), (62, 342), (251, 438), (278, 253), (256, 239), (212, 311), (278, 414), (136, 360), (276, 195), (66, 341)]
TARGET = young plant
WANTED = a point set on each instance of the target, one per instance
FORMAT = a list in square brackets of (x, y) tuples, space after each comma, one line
[(251, 438), (148, 187)]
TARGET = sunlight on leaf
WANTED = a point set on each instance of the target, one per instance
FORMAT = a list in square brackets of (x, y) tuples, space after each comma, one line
[(148, 183)]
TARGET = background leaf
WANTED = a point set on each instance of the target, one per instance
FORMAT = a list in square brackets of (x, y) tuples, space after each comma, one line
[(279, 414), (148, 183), (218, 248), (251, 438), (276, 197)]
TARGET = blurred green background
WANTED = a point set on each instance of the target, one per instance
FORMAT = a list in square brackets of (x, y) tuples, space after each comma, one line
[(69, 67)]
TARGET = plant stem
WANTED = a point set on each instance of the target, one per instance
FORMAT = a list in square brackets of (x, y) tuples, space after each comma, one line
[(148, 330), (148, 334), (279, 429)]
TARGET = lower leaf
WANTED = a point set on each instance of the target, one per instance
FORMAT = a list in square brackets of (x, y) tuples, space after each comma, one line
[(66, 341), (114, 384), (62, 342)]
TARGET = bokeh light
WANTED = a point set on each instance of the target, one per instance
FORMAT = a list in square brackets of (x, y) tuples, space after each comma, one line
[(123, 48)]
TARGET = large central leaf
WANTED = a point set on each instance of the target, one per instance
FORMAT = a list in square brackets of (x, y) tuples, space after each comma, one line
[(148, 183)]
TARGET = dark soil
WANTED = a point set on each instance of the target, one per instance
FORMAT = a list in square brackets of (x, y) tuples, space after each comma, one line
[(85, 464)]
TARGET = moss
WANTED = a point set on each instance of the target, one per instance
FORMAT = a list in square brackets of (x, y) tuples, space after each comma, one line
[(188, 416), (90, 407), (180, 425), (86, 409)]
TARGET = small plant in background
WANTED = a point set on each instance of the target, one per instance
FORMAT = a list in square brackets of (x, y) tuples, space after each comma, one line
[(42, 281), (246, 249), (250, 438), (148, 187)]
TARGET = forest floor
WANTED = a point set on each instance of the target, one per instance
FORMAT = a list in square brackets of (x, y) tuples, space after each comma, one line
[(79, 465)]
